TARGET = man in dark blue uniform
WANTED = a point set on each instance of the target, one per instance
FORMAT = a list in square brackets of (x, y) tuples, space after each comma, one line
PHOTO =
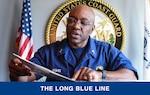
[(78, 56)]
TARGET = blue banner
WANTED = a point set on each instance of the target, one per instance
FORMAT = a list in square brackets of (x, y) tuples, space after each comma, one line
[(69, 88)]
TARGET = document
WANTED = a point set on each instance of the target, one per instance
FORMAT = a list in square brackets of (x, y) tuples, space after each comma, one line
[(42, 70)]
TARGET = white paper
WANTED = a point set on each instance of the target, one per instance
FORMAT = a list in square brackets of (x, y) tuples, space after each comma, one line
[(42, 70)]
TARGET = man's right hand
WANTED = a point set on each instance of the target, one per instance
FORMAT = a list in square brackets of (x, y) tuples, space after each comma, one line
[(17, 69)]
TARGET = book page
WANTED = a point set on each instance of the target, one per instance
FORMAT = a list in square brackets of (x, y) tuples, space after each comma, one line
[(42, 70)]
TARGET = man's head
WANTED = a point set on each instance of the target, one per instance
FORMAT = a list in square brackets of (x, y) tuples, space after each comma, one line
[(80, 25)]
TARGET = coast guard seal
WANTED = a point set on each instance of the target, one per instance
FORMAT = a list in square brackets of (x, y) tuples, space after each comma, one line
[(108, 24)]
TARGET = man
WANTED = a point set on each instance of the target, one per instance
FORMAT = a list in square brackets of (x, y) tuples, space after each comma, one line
[(78, 56)]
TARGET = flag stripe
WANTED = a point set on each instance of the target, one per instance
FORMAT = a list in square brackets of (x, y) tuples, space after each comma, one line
[(23, 46), (26, 48), (29, 53), (19, 34)]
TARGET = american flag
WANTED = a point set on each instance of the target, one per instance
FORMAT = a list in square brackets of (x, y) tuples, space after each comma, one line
[(24, 40)]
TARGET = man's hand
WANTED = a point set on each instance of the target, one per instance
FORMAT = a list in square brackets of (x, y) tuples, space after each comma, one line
[(17, 68), (87, 74)]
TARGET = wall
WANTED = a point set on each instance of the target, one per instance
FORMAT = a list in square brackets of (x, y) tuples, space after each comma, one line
[(131, 12)]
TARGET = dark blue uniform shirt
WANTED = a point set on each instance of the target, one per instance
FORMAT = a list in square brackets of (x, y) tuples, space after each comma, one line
[(59, 57)]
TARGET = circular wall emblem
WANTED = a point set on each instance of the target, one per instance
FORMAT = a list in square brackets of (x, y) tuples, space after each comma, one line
[(108, 25)]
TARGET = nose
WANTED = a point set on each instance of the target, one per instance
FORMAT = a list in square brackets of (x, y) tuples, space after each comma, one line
[(77, 25)]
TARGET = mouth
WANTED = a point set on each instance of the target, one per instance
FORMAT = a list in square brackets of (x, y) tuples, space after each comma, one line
[(75, 34)]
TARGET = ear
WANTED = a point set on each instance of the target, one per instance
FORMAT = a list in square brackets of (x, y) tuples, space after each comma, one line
[(93, 27)]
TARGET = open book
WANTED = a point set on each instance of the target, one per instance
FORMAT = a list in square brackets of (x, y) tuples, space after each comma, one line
[(42, 70)]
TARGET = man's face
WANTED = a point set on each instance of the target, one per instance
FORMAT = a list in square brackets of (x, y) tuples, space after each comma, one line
[(79, 27)]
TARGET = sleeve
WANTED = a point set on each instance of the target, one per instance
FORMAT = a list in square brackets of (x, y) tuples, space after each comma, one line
[(40, 58), (118, 60)]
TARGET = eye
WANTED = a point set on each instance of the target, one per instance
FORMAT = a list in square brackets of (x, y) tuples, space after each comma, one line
[(85, 22), (71, 20)]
